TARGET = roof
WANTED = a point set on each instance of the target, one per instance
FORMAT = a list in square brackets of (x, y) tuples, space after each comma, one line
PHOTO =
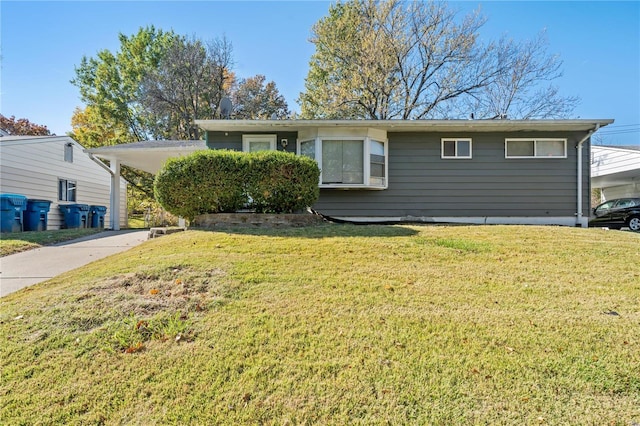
[(12, 140), (625, 147), (406, 125), (147, 155), (151, 155)]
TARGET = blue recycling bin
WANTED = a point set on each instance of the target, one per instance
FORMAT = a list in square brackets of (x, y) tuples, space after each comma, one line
[(11, 212), (36, 215), (97, 216), (75, 215)]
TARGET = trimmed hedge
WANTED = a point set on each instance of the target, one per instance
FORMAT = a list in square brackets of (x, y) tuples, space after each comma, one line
[(220, 181), (281, 182), (203, 182)]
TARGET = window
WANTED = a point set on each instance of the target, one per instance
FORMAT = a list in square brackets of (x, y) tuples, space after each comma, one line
[(456, 148), (348, 162), (66, 190), (342, 162), (535, 148), (68, 153), (251, 143)]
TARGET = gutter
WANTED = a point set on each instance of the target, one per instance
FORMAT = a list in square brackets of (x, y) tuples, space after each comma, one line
[(579, 146), (99, 162)]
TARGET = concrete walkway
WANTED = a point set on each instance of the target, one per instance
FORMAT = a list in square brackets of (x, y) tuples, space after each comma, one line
[(31, 267)]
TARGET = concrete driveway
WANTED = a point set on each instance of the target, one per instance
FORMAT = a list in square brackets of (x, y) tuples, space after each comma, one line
[(31, 267)]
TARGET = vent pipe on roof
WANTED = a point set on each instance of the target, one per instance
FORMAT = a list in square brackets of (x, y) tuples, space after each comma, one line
[(579, 219)]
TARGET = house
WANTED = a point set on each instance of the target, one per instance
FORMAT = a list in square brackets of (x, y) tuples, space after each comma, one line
[(615, 170), (455, 171), (57, 169)]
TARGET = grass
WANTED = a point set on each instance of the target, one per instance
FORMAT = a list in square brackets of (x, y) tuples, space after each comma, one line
[(334, 325), (11, 243)]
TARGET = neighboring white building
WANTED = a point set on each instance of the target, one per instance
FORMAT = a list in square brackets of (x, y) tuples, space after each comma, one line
[(616, 171), (57, 169)]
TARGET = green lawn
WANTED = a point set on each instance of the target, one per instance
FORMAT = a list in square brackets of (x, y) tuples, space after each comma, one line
[(11, 243), (335, 324)]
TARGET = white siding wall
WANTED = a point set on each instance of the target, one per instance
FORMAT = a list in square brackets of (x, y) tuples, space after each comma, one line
[(623, 191), (608, 160), (32, 166)]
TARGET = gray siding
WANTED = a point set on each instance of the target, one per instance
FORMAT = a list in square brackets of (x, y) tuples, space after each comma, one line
[(423, 184), (233, 140)]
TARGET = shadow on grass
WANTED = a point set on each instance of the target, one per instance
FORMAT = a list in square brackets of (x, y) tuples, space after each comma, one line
[(327, 230)]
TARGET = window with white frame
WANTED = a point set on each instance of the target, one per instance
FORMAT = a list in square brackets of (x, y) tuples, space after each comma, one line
[(455, 148), (251, 143), (66, 190), (535, 148), (348, 162)]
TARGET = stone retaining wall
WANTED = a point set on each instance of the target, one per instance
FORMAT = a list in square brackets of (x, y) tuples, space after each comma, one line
[(250, 220)]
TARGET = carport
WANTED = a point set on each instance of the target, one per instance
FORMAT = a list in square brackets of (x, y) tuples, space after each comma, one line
[(148, 156), (616, 171)]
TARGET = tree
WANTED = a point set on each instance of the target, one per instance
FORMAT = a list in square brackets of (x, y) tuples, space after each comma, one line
[(391, 59), (110, 83), (188, 84), (22, 127), (520, 91), (92, 130), (254, 100)]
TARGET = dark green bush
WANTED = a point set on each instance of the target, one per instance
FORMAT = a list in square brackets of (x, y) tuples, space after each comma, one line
[(220, 181), (281, 182), (203, 182)]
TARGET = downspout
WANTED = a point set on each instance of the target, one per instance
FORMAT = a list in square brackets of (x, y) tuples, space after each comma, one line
[(579, 149)]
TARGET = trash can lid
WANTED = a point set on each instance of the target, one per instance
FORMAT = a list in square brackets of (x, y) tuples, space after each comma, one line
[(13, 199)]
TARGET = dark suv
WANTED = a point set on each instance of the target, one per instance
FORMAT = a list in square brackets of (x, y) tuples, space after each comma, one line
[(617, 213)]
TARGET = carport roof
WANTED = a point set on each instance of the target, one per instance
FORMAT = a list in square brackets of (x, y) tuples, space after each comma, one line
[(149, 156)]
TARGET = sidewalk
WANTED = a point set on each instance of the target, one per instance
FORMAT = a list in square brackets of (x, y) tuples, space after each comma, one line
[(31, 267)]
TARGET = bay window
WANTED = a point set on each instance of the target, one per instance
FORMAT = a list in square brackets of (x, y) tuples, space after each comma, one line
[(348, 162)]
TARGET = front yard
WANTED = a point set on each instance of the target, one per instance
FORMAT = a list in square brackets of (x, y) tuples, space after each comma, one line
[(334, 324)]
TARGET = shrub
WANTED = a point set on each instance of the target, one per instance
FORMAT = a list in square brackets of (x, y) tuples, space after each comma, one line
[(220, 181), (203, 182), (281, 182)]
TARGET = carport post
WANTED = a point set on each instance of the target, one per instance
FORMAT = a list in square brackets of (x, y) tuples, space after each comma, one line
[(114, 213)]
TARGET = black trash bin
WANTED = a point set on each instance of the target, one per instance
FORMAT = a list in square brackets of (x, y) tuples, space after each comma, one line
[(36, 215), (12, 212), (97, 216), (75, 215)]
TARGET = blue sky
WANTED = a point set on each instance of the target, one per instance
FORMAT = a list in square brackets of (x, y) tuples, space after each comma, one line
[(42, 42)]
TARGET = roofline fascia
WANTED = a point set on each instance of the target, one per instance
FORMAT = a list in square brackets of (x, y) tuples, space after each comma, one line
[(433, 125)]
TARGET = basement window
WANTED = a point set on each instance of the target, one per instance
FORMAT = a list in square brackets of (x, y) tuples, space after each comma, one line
[(535, 148)]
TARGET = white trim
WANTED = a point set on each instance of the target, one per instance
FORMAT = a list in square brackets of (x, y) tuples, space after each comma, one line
[(404, 125), (456, 156), (470, 220), (248, 139), (366, 159), (535, 148)]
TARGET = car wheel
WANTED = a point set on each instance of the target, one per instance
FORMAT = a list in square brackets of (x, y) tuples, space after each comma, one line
[(634, 223)]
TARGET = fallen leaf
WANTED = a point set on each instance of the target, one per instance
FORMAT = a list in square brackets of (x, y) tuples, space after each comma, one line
[(154, 291), (134, 348), (178, 281)]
